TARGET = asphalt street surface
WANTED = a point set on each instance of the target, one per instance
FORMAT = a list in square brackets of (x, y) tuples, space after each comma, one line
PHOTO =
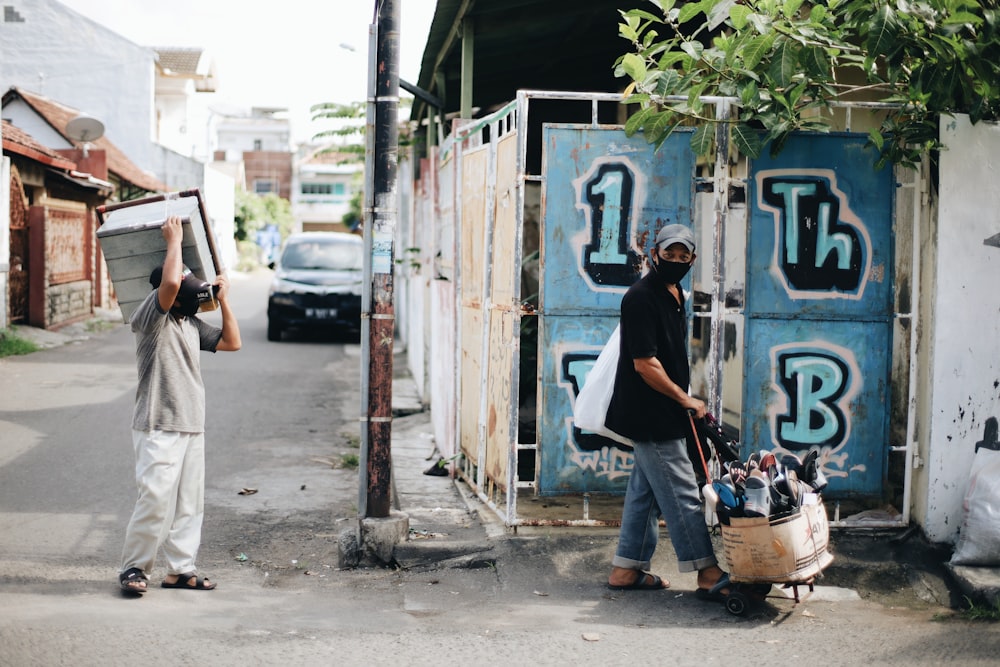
[(282, 430)]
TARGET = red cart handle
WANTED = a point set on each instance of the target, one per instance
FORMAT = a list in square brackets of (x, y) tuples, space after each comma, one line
[(697, 442)]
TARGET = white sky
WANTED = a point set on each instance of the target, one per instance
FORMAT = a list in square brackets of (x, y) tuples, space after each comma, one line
[(284, 53)]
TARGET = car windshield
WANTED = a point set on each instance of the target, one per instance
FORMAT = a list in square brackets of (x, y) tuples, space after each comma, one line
[(324, 255)]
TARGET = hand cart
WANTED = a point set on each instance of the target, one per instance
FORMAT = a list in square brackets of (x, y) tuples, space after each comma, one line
[(790, 549)]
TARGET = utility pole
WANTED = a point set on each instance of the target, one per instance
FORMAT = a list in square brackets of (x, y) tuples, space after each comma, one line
[(378, 318)]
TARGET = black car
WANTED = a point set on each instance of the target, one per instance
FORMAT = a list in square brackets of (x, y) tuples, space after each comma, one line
[(317, 284)]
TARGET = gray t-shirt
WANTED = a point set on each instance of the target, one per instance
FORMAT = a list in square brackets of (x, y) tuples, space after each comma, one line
[(170, 395)]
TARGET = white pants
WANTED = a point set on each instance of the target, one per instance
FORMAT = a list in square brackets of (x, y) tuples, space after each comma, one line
[(170, 476)]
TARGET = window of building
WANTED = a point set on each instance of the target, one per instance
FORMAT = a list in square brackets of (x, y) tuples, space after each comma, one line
[(317, 188), (258, 145), (264, 186), (335, 191)]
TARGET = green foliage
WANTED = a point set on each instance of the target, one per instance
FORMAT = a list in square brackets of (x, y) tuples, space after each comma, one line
[(249, 215), (348, 132), (253, 211), (12, 345), (785, 61), (981, 612), (355, 215), (348, 125), (346, 138)]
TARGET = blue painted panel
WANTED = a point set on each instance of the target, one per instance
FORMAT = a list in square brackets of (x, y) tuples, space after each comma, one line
[(605, 195), (819, 308), (820, 384), (820, 240), (572, 461)]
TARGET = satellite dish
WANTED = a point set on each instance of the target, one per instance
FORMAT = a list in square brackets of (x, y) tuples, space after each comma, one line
[(85, 128)]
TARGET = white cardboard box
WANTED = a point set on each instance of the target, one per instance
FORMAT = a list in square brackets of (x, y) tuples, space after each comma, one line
[(785, 550), (133, 244)]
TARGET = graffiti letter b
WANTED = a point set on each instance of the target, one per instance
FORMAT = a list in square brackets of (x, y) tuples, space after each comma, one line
[(813, 382)]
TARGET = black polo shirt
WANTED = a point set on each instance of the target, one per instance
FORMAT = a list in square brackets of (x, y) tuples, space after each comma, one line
[(653, 324)]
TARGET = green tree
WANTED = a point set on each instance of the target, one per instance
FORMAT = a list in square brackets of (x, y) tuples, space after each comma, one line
[(347, 135), (348, 132), (249, 214), (253, 211), (785, 61), (354, 215)]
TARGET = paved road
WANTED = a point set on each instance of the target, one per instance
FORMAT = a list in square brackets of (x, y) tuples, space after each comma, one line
[(283, 415)]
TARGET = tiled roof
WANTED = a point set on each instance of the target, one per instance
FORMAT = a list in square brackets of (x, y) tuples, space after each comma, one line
[(16, 140), (58, 115), (179, 61), (192, 63)]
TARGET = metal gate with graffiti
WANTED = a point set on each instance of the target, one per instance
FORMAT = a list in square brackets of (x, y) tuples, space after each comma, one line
[(792, 297)]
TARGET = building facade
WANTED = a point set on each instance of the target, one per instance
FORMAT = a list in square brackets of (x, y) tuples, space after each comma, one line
[(324, 183)]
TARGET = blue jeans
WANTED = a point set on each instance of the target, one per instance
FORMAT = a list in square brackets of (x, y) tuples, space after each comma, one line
[(663, 482)]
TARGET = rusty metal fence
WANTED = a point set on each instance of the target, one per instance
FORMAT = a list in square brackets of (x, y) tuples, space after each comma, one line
[(541, 227)]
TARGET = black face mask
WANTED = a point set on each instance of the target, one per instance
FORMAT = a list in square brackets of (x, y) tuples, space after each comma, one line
[(671, 273), (188, 307)]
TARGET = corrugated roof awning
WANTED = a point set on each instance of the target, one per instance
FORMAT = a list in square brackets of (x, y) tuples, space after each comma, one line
[(521, 44), (82, 180)]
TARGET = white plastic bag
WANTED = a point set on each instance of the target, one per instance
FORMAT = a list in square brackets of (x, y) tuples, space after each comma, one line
[(591, 406), (979, 538)]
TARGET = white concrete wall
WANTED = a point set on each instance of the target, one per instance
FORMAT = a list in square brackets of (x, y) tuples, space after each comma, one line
[(177, 171), (175, 112), (964, 335), (236, 134), (68, 58), (27, 119), (219, 196)]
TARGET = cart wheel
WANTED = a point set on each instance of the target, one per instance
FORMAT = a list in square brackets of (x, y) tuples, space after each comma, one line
[(736, 603)]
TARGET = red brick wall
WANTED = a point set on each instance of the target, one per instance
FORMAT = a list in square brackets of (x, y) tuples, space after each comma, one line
[(269, 165)]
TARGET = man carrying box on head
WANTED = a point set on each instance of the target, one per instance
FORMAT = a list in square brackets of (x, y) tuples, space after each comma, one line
[(168, 423)]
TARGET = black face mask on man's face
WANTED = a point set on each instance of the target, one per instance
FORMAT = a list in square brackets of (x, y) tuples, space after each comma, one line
[(671, 273), (187, 307)]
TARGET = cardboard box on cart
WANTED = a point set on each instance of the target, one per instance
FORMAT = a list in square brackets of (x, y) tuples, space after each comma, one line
[(788, 549), (132, 243)]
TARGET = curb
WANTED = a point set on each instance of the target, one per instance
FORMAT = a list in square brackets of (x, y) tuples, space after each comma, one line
[(979, 584)]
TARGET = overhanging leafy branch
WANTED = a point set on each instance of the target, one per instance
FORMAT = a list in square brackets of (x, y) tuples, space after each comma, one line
[(786, 62)]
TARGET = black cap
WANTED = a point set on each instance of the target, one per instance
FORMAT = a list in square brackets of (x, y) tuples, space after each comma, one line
[(192, 287)]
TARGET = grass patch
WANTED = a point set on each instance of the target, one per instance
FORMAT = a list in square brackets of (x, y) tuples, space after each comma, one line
[(98, 325), (981, 612), (349, 460), (11, 345)]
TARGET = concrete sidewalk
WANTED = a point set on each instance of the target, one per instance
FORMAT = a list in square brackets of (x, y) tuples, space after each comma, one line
[(450, 526)]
